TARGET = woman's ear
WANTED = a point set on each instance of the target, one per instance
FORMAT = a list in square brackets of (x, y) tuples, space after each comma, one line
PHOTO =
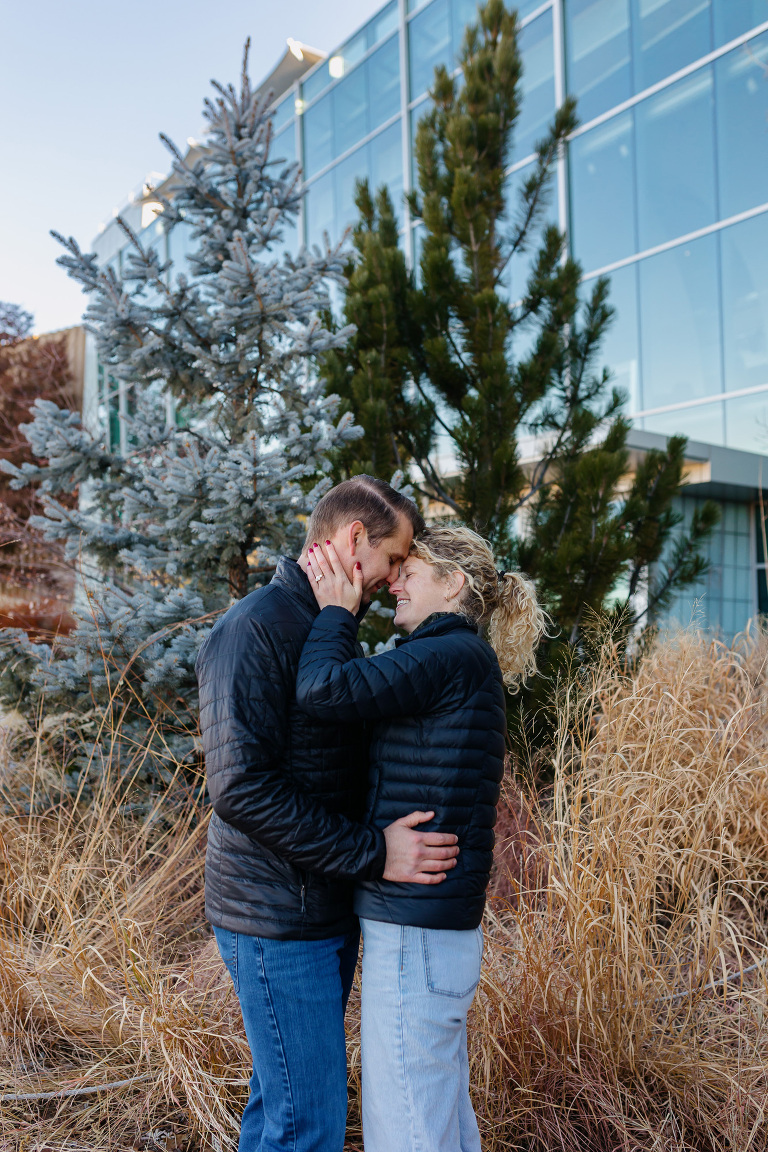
[(456, 581)]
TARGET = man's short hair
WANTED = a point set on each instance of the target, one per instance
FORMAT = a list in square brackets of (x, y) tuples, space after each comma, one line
[(374, 502)]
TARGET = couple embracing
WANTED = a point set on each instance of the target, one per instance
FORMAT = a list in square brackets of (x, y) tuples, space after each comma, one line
[(358, 793)]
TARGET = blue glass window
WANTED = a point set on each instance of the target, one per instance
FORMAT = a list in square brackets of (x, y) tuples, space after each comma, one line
[(537, 88), (382, 24), (315, 83), (602, 171), (284, 145), (350, 110), (675, 160), (745, 304), (598, 54), (463, 12), (318, 136), (320, 209), (383, 69), (283, 112), (521, 264), (734, 17), (679, 309), (355, 106), (179, 247), (620, 350), (742, 126), (386, 165), (703, 422), (429, 44), (354, 50), (347, 173), (668, 34), (525, 7), (746, 423)]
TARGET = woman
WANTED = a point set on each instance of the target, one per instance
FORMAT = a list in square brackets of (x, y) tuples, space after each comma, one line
[(437, 702)]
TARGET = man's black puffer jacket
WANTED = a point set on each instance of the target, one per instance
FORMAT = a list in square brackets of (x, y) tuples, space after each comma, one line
[(283, 845), (438, 745)]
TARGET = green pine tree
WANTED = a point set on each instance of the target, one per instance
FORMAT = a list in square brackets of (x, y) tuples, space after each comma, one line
[(453, 365)]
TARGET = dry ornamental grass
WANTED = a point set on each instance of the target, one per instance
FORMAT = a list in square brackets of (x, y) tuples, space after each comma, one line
[(623, 1001)]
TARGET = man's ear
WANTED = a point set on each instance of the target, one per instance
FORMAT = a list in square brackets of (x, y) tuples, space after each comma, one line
[(355, 535)]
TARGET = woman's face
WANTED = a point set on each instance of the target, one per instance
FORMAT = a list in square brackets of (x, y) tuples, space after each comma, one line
[(419, 593)]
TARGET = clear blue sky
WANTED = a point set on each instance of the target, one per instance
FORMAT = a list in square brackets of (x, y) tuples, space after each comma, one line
[(85, 87)]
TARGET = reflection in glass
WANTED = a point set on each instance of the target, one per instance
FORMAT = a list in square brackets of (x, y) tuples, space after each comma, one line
[(742, 126), (725, 591), (598, 54), (537, 88), (350, 111), (521, 265), (283, 112), (744, 248), (284, 145), (315, 83), (382, 24), (734, 17), (680, 338), (348, 172), (383, 69), (417, 246), (667, 34), (746, 423), (704, 422), (319, 207), (602, 171), (386, 165), (354, 108), (675, 160), (464, 12), (620, 350), (429, 44), (179, 248), (318, 136)]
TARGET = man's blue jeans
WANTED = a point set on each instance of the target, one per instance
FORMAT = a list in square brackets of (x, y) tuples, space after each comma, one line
[(292, 996)]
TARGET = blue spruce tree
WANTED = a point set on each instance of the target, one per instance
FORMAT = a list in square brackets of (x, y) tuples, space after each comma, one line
[(227, 440)]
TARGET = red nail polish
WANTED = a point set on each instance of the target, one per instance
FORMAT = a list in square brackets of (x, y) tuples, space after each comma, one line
[(357, 566), (327, 541)]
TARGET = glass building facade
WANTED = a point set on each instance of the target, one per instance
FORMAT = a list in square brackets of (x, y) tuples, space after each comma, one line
[(663, 188)]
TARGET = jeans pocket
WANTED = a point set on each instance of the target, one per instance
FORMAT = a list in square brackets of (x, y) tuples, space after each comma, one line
[(452, 960), (227, 945)]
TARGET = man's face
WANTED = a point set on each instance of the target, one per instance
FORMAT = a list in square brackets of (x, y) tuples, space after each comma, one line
[(381, 564)]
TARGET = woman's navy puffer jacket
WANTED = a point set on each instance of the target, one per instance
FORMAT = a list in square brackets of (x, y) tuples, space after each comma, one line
[(437, 701)]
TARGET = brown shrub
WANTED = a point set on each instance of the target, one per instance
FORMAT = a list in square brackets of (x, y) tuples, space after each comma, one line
[(623, 999)]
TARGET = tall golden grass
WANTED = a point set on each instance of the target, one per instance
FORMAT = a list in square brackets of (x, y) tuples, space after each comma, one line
[(624, 999)]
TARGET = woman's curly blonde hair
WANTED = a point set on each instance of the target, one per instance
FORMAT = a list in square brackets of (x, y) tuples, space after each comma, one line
[(505, 602)]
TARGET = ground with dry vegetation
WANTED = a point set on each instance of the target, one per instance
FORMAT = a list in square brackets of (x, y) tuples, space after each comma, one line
[(623, 1002)]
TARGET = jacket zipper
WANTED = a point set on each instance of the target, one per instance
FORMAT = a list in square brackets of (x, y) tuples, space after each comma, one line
[(303, 891)]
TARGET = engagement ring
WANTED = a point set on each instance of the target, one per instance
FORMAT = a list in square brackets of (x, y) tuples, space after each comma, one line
[(319, 578)]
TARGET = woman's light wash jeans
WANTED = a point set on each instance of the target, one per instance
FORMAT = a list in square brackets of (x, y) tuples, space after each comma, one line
[(418, 984)]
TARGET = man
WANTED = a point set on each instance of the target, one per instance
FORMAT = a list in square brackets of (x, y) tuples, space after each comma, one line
[(284, 845)]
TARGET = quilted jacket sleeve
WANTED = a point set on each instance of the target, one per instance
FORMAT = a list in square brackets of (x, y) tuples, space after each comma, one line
[(243, 720), (333, 682)]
